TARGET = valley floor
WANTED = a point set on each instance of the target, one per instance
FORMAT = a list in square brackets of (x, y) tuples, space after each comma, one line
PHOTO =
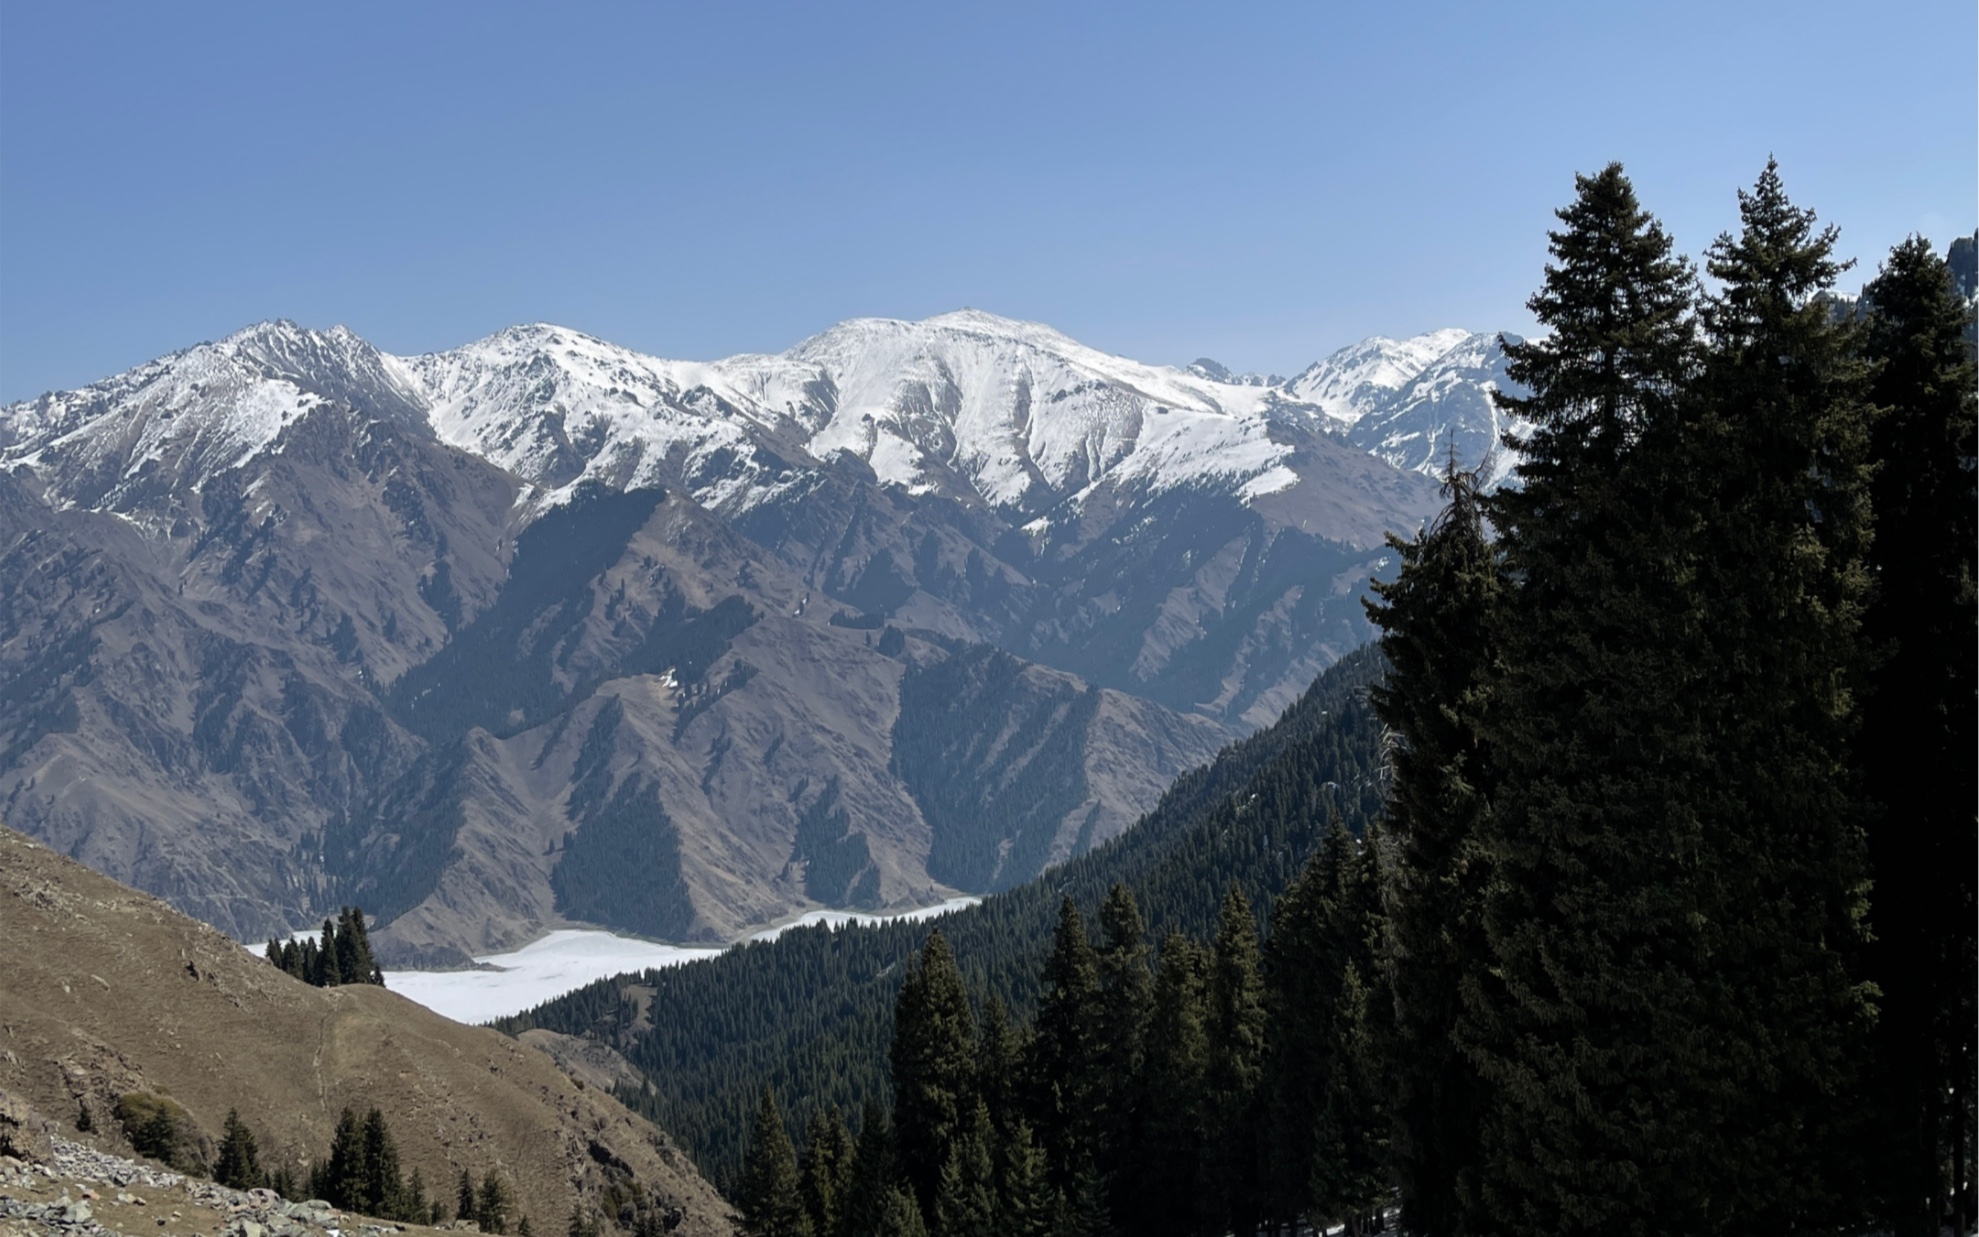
[(570, 958)]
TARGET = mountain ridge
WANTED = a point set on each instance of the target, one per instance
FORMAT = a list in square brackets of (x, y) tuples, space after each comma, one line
[(231, 574)]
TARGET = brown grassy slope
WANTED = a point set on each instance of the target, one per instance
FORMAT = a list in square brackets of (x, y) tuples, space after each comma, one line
[(104, 991)]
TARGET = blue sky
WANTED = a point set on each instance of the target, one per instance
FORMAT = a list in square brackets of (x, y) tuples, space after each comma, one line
[(1260, 183)]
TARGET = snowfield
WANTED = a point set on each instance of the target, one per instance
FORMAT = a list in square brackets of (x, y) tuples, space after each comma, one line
[(570, 958)]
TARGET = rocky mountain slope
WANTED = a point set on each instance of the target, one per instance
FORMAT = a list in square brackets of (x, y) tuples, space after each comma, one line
[(541, 630), (109, 992)]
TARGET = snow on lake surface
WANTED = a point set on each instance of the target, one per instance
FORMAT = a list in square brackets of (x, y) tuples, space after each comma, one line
[(570, 958)]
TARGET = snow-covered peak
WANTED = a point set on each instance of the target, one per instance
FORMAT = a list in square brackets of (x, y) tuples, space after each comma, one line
[(1353, 381), (1448, 406), (210, 407), (1021, 415)]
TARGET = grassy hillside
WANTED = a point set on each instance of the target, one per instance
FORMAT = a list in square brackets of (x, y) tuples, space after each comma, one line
[(106, 992)]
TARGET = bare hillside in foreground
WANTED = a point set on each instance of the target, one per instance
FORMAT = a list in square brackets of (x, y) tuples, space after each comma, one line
[(105, 991)]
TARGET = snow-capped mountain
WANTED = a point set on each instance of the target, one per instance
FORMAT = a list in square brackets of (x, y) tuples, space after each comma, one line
[(968, 406), (1447, 407), (912, 607), (1362, 377), (168, 424)]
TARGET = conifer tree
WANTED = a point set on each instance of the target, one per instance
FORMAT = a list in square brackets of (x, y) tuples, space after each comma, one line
[(238, 1166), (900, 1215), (874, 1167), (827, 1171), (1000, 1065), (491, 1208), (383, 1189), (418, 1208), (346, 1173), (355, 962), (1437, 619), (1784, 468), (1164, 1198), (1067, 1064), (1590, 913), (464, 1198), (1235, 1032), (1918, 716), (933, 1067), (770, 1196), (1025, 1199), (1125, 986), (328, 971), (966, 1202), (1082, 1208), (1350, 1181)]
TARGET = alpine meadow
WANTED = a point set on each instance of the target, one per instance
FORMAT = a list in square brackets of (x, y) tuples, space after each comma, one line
[(890, 620)]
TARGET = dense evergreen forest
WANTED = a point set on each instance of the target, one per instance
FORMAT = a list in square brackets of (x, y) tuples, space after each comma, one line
[(1628, 887)]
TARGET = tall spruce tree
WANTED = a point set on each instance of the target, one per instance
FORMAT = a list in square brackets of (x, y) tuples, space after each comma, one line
[(1919, 719), (1067, 1056), (1232, 1180), (1164, 1197), (966, 1201), (933, 1062), (492, 1206), (348, 1169), (1437, 619), (1325, 1111), (1025, 1199), (1599, 1113), (1784, 467), (1125, 984), (1000, 1066), (770, 1195), (874, 1166), (827, 1172), (465, 1202), (383, 1191)]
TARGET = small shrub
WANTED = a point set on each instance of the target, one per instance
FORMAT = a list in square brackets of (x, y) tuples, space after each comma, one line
[(160, 1129)]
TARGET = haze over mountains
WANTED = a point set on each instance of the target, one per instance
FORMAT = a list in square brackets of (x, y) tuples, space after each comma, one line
[(542, 630)]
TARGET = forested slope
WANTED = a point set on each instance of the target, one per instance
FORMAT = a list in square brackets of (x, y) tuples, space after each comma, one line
[(811, 1012)]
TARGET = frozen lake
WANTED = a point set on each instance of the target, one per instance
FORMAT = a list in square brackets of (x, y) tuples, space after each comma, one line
[(570, 958)]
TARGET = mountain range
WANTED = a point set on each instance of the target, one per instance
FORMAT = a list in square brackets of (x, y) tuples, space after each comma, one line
[(541, 630)]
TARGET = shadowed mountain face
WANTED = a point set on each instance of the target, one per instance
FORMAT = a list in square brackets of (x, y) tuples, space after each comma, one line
[(544, 631)]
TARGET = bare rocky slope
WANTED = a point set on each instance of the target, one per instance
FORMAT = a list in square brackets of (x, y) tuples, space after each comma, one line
[(543, 631), (105, 991)]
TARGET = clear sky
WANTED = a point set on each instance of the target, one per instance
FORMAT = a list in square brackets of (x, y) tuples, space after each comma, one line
[(1256, 182)]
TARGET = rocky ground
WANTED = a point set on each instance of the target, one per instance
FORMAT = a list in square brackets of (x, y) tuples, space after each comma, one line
[(81, 1190)]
